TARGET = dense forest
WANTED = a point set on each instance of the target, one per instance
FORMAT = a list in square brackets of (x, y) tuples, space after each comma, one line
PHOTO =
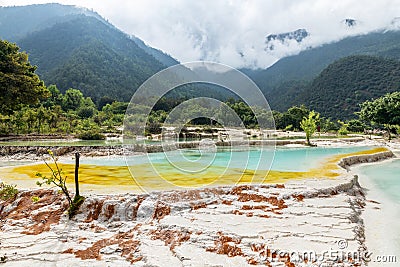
[(343, 85), (28, 106)]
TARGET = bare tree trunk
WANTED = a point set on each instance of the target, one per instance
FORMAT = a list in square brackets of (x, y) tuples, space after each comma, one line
[(76, 174)]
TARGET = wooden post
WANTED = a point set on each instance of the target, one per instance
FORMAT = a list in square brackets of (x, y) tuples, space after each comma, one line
[(76, 174)]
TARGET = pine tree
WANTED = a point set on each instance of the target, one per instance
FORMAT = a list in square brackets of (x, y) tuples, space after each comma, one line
[(18, 82)]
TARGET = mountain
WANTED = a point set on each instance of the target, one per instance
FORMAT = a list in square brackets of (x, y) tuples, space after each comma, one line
[(75, 47), (282, 38), (289, 77), (165, 59), (18, 21), (343, 85), (350, 22), (339, 89), (90, 55), (309, 63)]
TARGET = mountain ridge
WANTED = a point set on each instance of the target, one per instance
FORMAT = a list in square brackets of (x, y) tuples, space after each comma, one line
[(64, 41), (116, 64), (18, 21), (63, 33)]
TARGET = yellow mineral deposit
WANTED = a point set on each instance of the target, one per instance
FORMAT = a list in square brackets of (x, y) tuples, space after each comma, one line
[(154, 176)]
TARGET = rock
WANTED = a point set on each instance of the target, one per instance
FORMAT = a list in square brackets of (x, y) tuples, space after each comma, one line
[(146, 210), (110, 249)]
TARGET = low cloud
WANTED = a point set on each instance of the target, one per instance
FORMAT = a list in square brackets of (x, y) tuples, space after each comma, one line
[(234, 32)]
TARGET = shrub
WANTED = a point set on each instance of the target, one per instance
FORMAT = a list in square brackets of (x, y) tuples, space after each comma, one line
[(89, 130), (92, 134), (8, 191), (35, 199), (58, 178), (343, 131), (153, 128), (343, 128)]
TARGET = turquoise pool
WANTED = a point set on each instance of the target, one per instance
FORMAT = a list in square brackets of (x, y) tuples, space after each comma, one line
[(386, 176), (284, 159)]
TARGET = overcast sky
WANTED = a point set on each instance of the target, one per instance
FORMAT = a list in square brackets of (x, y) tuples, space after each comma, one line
[(234, 32)]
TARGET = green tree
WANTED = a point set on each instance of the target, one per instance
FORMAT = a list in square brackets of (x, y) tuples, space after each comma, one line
[(4, 124), (57, 178), (293, 116), (42, 116), (18, 82), (327, 125), (384, 111), (355, 126), (116, 107), (278, 119), (30, 117), (55, 117), (225, 115), (55, 96), (244, 112), (309, 125), (72, 99), (8, 191), (104, 100), (87, 109)]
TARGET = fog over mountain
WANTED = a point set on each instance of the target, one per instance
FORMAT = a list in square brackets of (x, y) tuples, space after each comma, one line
[(236, 32)]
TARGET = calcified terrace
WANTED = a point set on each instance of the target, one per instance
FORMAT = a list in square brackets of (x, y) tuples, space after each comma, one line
[(242, 225)]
